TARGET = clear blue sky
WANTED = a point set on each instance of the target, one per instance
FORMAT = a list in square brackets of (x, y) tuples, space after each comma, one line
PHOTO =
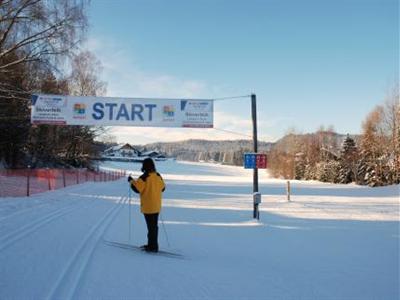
[(310, 62)]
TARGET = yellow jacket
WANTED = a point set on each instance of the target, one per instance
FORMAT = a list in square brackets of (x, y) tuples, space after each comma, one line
[(150, 186)]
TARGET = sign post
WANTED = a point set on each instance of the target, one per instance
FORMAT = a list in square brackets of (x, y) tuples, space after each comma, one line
[(255, 149), (255, 161)]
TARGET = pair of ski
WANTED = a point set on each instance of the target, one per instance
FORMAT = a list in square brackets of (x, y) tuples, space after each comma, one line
[(137, 248)]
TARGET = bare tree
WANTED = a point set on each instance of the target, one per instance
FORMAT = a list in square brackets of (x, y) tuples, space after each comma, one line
[(373, 148), (84, 80), (391, 128), (32, 30), (34, 36)]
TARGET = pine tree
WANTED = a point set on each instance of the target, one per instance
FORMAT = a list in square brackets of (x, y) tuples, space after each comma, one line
[(328, 171), (348, 161), (300, 166)]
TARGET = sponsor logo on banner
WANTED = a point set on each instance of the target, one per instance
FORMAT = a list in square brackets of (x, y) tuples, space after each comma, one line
[(169, 111), (52, 102), (48, 109), (79, 111), (197, 114), (198, 106)]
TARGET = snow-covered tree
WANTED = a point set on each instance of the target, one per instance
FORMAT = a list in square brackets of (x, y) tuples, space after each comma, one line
[(348, 161), (328, 171), (373, 144), (391, 127), (300, 166)]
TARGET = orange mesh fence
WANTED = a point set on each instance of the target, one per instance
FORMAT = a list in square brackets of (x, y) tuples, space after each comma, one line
[(25, 182)]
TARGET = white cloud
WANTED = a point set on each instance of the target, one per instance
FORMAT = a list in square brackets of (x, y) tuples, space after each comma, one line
[(125, 78)]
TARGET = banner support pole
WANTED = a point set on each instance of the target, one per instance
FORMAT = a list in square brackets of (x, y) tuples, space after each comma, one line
[(256, 214)]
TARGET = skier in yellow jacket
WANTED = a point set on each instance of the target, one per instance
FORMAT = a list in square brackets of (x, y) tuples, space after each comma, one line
[(150, 186)]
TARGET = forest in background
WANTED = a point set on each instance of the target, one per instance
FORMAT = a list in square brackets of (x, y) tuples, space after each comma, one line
[(39, 53), (372, 158), (226, 152)]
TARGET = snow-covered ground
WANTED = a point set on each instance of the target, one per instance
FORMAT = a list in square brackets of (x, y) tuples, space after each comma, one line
[(329, 242)]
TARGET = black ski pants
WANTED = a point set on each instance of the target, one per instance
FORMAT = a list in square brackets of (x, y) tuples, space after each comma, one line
[(152, 230)]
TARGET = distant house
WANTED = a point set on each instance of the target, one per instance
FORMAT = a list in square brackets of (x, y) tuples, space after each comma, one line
[(125, 150), (128, 153), (152, 154)]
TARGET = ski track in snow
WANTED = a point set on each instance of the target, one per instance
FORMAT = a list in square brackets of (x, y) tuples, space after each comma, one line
[(75, 267), (16, 235), (32, 204), (25, 210)]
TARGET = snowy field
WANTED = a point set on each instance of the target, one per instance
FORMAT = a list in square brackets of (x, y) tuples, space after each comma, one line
[(329, 242)]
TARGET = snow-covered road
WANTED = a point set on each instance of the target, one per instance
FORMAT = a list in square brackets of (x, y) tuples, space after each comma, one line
[(330, 242)]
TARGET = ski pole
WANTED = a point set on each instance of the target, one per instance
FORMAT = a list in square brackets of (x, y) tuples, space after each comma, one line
[(165, 231), (130, 213)]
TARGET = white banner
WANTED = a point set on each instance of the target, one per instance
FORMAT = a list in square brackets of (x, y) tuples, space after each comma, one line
[(105, 111)]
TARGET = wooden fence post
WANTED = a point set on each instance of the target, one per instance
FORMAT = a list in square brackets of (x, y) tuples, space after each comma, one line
[(63, 174), (48, 179)]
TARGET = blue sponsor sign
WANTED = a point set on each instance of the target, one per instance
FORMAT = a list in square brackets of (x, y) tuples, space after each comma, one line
[(255, 161), (250, 160)]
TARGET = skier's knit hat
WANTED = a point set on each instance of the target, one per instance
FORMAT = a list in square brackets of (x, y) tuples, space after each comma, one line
[(148, 166)]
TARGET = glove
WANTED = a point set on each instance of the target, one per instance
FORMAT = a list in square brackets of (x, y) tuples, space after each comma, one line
[(130, 178)]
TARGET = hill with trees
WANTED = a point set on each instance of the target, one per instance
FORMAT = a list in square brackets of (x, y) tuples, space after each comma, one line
[(372, 158), (226, 152)]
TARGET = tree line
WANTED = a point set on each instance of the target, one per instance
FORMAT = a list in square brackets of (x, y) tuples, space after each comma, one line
[(40, 53), (225, 152), (372, 158)]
